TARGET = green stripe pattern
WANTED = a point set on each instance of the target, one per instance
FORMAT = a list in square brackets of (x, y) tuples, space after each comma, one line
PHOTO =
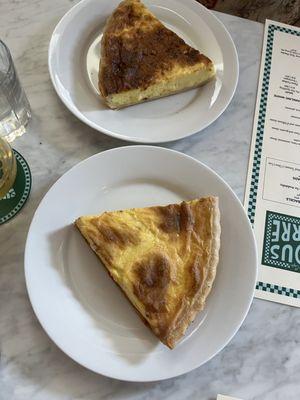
[(282, 290), (266, 287)]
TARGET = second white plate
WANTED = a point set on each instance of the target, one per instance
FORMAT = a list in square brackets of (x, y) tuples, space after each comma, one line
[(78, 304), (74, 53)]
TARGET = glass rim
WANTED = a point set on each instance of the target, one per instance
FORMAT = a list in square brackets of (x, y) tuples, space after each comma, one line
[(10, 61)]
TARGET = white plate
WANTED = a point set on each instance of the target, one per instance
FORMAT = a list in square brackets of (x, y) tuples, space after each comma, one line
[(77, 303), (74, 59)]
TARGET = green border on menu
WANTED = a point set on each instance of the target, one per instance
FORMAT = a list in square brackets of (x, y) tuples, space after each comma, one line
[(267, 287)]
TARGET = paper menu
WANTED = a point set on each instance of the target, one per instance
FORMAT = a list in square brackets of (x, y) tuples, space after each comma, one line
[(272, 196)]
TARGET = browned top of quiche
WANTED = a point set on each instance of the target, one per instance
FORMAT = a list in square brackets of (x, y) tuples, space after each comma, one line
[(163, 258), (137, 50)]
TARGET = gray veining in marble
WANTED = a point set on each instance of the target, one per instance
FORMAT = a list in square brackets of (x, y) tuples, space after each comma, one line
[(263, 360)]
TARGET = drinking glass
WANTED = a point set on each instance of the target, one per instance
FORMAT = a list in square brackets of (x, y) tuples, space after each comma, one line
[(14, 106), (14, 116)]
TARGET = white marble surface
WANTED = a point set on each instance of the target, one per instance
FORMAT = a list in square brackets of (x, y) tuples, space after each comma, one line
[(263, 360)]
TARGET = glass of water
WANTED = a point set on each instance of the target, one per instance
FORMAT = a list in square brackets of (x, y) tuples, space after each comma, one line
[(14, 116), (14, 106)]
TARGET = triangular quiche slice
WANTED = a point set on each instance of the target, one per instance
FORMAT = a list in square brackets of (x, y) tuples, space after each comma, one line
[(141, 59), (164, 258)]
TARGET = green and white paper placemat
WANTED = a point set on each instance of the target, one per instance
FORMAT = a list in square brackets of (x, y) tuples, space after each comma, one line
[(221, 397), (17, 196), (272, 196)]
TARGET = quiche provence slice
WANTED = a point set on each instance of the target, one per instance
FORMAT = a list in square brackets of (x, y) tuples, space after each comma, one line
[(142, 60), (164, 258)]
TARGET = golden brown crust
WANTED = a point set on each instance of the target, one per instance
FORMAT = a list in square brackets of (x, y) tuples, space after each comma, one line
[(167, 263), (187, 312), (120, 237), (137, 50), (176, 218), (153, 276)]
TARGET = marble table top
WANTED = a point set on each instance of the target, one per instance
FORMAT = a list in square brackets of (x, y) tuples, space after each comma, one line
[(262, 362)]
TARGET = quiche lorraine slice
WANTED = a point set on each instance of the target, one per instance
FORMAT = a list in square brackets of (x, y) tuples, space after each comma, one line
[(164, 258), (143, 60)]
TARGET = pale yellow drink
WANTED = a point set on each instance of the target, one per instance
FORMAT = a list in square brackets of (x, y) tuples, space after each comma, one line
[(8, 167)]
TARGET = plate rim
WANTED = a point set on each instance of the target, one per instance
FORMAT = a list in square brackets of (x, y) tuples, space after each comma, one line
[(111, 133), (113, 374)]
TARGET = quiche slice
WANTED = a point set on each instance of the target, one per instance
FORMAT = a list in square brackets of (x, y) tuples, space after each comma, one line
[(142, 60), (163, 258)]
